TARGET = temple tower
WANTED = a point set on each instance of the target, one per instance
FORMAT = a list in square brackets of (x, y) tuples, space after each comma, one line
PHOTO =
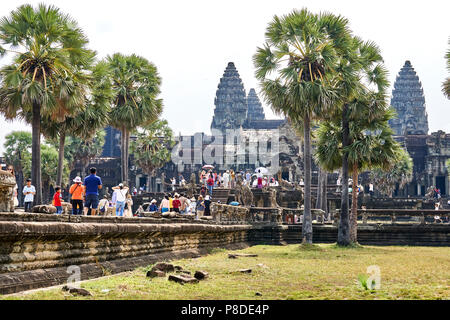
[(255, 109), (231, 102), (409, 102)]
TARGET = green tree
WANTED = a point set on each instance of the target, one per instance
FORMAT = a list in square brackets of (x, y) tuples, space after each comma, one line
[(151, 148), (295, 68), (86, 122), (361, 72), (136, 86), (18, 154), (399, 175), (371, 145), (48, 57), (446, 84)]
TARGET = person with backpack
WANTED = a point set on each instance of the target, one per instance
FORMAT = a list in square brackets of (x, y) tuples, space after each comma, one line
[(77, 194)]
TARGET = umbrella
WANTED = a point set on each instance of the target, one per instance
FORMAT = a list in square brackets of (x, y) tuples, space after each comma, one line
[(208, 166), (262, 169)]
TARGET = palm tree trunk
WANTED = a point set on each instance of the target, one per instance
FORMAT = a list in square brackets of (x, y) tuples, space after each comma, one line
[(307, 223), (354, 214), (127, 154), (20, 187), (343, 228), (324, 204), (36, 176), (122, 153), (149, 179), (62, 140)]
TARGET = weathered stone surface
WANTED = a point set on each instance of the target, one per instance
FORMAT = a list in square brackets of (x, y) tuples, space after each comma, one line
[(200, 275), (155, 273), (182, 279), (7, 183), (49, 209), (244, 255), (187, 272), (79, 291), (163, 266), (178, 267)]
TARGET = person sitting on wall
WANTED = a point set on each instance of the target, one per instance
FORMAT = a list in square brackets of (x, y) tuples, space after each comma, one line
[(165, 204), (176, 203), (103, 205)]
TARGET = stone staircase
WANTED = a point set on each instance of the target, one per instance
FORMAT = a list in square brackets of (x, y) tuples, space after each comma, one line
[(221, 195)]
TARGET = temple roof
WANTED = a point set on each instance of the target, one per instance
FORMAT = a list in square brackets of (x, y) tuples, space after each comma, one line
[(409, 102), (255, 109), (263, 124)]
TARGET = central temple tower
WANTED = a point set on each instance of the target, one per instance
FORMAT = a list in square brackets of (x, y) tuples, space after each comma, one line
[(409, 102), (231, 101)]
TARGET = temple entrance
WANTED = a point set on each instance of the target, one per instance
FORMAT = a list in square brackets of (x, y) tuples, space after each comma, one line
[(440, 184)]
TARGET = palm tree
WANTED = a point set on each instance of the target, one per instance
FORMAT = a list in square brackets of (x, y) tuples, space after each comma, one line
[(151, 148), (371, 144), (301, 54), (44, 73), (360, 68), (84, 124), (136, 85)]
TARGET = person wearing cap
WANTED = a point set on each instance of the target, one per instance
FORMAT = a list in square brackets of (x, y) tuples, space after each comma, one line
[(153, 207), (119, 198), (29, 191), (77, 193)]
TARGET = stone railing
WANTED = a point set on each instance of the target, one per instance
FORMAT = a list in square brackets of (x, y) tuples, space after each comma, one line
[(394, 216)]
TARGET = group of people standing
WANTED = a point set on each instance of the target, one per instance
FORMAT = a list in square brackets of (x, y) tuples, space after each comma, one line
[(180, 203)]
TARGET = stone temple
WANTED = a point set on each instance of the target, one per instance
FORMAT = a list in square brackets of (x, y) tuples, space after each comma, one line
[(235, 109), (409, 102)]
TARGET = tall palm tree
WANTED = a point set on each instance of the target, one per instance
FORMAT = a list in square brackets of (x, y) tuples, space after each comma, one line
[(360, 68), (371, 144), (94, 115), (295, 68), (48, 49), (136, 86)]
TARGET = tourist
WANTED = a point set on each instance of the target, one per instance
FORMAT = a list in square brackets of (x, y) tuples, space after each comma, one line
[(183, 203), (193, 205), (180, 180), (200, 207), (165, 204), (264, 183), (302, 183), (203, 190), (171, 196), (232, 179), (103, 205), (215, 179), (153, 207), (128, 207), (119, 198), (77, 194), (203, 177), (176, 203), (28, 191), (371, 189), (57, 200), (226, 179), (134, 191), (174, 183), (210, 184), (248, 177), (92, 184), (259, 177), (338, 184), (187, 206), (207, 204)]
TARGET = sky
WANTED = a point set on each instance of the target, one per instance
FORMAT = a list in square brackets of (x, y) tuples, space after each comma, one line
[(191, 43)]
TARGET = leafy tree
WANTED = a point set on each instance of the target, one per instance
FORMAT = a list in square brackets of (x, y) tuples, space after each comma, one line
[(295, 68), (86, 122), (151, 148), (371, 145), (18, 154), (49, 56), (446, 84), (136, 86), (400, 174), (362, 83)]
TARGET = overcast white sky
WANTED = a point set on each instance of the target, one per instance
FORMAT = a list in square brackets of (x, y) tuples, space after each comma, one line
[(191, 43)]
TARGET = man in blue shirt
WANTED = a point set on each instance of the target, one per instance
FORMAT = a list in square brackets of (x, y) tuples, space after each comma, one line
[(92, 184)]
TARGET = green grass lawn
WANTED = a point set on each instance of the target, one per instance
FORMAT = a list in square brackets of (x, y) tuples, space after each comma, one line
[(287, 272)]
